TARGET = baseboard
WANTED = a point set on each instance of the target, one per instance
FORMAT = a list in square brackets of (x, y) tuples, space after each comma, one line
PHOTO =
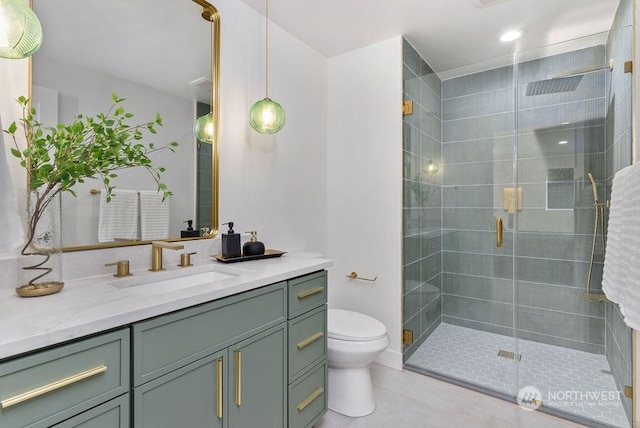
[(390, 359)]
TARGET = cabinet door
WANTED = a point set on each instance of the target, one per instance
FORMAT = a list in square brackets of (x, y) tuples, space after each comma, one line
[(112, 414), (191, 396), (258, 386)]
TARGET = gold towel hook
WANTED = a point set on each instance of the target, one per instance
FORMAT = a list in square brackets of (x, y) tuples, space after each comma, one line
[(354, 275)]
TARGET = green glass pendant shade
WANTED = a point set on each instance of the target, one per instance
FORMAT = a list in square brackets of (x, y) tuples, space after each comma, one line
[(20, 30), (267, 116), (204, 128)]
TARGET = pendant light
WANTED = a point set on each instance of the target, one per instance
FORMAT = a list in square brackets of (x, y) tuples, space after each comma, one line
[(20, 30), (267, 116), (204, 128)]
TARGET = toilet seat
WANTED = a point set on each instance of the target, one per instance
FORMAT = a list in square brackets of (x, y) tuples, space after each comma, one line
[(354, 326)]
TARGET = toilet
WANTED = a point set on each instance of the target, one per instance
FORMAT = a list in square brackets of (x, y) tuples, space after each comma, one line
[(354, 341)]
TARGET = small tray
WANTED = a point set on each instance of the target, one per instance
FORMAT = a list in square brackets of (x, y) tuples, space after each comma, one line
[(267, 255)]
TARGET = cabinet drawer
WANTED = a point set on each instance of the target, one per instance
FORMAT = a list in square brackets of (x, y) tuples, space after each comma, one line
[(169, 342), (307, 292), (48, 387), (307, 341), (308, 398), (112, 414)]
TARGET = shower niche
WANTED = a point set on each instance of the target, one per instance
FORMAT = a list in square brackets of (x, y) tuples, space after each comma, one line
[(561, 193)]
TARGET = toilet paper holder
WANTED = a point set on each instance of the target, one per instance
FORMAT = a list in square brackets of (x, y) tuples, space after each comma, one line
[(354, 275)]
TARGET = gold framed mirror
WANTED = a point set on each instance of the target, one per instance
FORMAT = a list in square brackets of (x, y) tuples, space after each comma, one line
[(162, 60)]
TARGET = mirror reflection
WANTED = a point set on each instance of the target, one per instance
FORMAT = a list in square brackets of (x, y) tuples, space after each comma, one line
[(160, 60)]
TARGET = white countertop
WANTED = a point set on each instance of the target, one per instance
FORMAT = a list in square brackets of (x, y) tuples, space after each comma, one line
[(92, 305)]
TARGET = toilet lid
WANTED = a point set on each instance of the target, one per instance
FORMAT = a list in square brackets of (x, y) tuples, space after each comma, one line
[(348, 325)]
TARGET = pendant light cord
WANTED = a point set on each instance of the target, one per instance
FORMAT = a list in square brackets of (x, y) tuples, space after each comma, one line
[(266, 49)]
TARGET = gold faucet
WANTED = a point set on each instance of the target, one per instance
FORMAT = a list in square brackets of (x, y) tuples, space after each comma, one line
[(156, 253), (123, 268)]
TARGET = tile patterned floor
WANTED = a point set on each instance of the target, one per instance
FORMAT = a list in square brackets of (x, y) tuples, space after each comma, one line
[(573, 381), (410, 400)]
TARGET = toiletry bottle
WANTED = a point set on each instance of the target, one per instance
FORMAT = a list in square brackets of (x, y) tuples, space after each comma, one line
[(253, 247), (230, 243), (189, 233)]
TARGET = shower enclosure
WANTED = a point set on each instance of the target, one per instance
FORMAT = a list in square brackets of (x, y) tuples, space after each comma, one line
[(501, 277)]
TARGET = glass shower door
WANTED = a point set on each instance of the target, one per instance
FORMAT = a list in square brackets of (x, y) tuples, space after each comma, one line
[(458, 280), (569, 123)]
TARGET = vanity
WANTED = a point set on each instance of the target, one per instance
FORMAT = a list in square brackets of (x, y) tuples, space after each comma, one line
[(244, 348)]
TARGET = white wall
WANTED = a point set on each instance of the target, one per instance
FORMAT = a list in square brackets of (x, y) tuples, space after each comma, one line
[(14, 80), (273, 184), (364, 160)]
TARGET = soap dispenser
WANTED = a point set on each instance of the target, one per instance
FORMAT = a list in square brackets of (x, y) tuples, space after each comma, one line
[(253, 247), (230, 243), (189, 233)]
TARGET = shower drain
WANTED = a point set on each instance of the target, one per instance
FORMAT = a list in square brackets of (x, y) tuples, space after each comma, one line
[(508, 354)]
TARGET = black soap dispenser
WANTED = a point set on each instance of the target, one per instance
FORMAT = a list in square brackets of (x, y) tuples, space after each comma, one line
[(230, 243), (253, 247), (189, 233)]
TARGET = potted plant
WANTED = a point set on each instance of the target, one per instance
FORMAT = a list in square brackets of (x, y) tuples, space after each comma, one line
[(56, 158)]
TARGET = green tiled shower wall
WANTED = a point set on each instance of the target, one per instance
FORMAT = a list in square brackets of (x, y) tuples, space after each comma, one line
[(553, 245), (204, 177)]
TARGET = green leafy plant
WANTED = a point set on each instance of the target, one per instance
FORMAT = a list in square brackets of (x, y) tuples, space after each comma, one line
[(57, 158)]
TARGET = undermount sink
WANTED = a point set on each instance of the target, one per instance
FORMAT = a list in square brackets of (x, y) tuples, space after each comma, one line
[(172, 280)]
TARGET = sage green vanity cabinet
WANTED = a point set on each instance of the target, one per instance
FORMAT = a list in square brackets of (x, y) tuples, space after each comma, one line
[(240, 386), (253, 359), (222, 364), (47, 387), (307, 349), (169, 342)]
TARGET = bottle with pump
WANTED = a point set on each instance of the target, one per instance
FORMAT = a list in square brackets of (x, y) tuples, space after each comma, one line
[(230, 243), (189, 233), (253, 247)]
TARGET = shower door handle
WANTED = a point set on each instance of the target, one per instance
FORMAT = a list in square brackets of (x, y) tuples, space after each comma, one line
[(499, 232)]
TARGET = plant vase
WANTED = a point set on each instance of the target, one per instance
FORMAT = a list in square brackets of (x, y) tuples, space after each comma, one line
[(40, 263)]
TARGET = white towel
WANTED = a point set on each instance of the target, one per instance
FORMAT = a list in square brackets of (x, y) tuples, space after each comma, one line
[(118, 219), (154, 215), (621, 278), (12, 235), (613, 273)]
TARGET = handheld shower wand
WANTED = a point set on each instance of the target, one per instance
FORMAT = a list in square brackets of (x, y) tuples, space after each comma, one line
[(599, 220)]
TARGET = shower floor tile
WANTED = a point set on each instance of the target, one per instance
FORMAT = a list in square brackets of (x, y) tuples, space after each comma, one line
[(573, 381)]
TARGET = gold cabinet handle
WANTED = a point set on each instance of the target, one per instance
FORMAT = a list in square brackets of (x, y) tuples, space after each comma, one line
[(304, 403), (4, 404), (238, 378), (499, 232), (219, 388), (310, 292), (309, 340)]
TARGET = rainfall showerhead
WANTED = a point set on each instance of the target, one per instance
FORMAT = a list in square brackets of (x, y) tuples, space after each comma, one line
[(566, 81), (554, 86)]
